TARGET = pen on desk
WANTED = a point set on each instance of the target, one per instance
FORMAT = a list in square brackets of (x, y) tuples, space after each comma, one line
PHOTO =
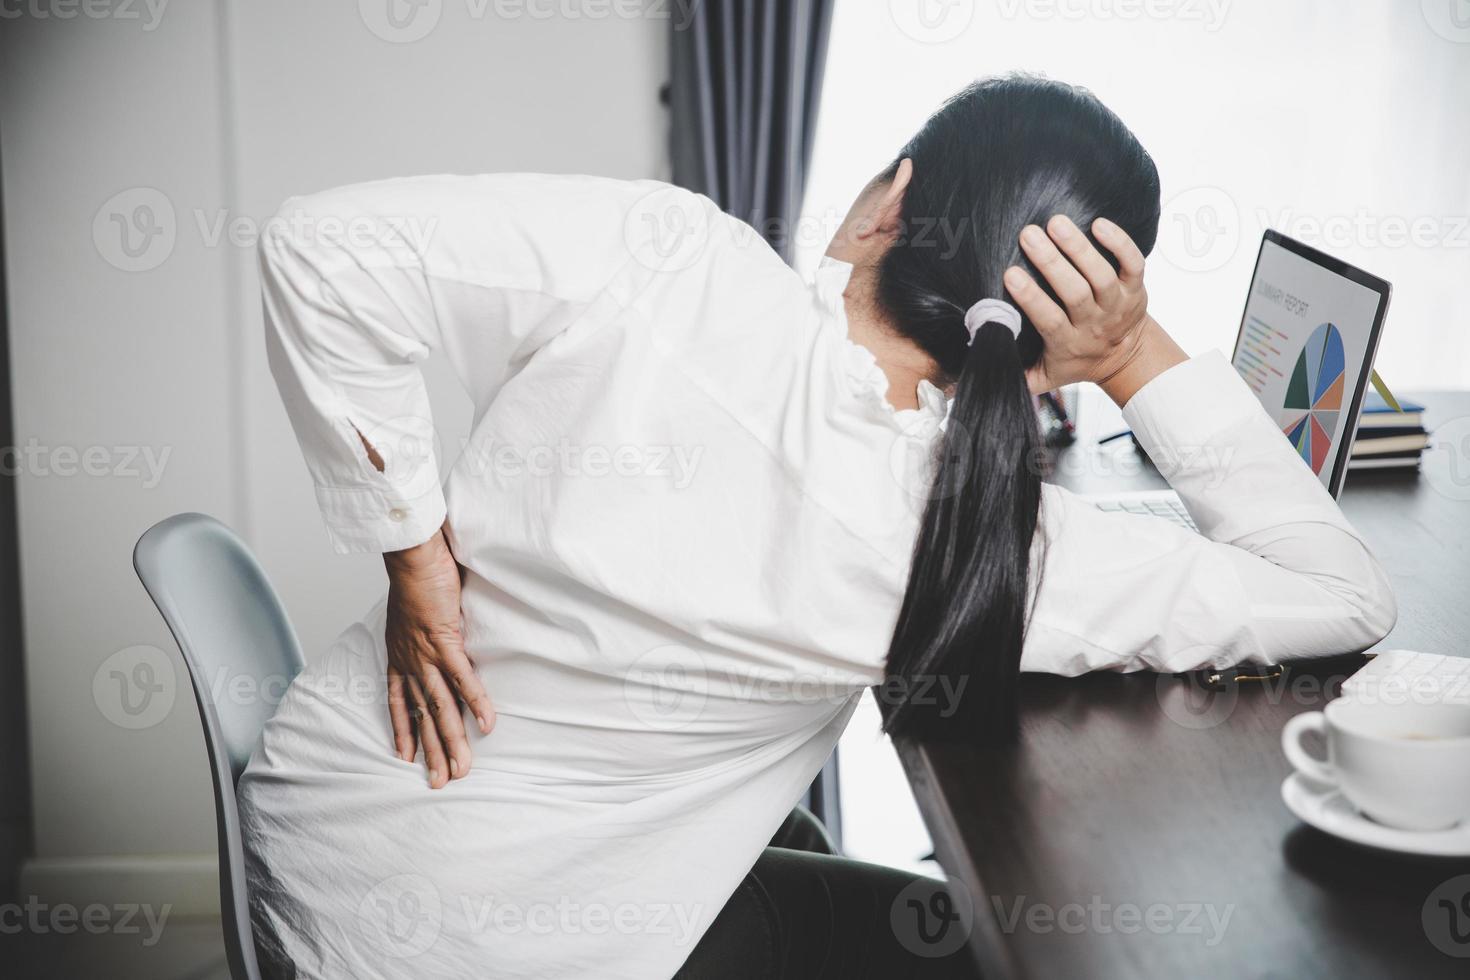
[(1061, 431), (1058, 409), (1115, 435)]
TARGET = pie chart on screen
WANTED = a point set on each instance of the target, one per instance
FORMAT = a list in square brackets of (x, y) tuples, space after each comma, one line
[(1314, 396)]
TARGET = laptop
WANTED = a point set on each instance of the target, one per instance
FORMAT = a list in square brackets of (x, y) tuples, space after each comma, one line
[(1306, 345)]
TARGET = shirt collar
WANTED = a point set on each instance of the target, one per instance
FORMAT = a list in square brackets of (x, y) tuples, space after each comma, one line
[(830, 281)]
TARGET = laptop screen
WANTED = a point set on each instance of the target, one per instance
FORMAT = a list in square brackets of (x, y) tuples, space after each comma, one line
[(1306, 348)]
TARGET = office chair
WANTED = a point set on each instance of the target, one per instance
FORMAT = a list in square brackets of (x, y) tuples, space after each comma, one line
[(228, 623)]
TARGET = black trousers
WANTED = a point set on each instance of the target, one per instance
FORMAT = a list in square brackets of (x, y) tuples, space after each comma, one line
[(804, 913)]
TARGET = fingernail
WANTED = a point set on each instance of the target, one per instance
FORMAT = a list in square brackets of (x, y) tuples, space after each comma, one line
[(1102, 226), (433, 776), (1014, 278), (1033, 235), (1060, 226), (484, 725), (454, 767)]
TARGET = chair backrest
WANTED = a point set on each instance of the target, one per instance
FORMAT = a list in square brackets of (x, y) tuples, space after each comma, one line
[(242, 654)]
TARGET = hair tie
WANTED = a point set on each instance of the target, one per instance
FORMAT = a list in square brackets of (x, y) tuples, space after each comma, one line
[(993, 311)]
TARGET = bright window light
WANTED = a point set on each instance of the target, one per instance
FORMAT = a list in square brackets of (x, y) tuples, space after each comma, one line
[(1340, 124)]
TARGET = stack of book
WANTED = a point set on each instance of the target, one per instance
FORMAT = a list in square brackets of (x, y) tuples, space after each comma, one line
[(1389, 440)]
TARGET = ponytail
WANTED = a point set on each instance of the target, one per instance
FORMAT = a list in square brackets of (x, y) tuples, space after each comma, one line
[(1002, 154), (963, 618)]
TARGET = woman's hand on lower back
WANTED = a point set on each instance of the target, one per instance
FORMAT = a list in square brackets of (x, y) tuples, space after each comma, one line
[(429, 673), (1102, 331)]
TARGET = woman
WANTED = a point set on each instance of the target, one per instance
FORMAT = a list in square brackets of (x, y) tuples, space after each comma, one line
[(705, 505)]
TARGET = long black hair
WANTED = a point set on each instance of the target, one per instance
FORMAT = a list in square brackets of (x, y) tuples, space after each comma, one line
[(1002, 154)]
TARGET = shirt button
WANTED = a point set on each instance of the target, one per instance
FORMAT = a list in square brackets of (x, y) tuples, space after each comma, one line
[(397, 514)]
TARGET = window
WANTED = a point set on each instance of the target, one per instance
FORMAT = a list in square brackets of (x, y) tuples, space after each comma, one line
[(1342, 125)]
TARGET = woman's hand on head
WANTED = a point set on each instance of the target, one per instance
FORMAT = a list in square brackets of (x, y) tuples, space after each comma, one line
[(1102, 331), (429, 673)]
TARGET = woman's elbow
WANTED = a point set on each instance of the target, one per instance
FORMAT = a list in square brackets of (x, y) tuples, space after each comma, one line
[(1378, 609)]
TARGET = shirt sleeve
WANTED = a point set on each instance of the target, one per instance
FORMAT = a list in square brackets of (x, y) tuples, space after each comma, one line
[(361, 283), (1275, 573)]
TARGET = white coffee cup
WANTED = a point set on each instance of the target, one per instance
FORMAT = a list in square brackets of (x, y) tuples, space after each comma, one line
[(1405, 765)]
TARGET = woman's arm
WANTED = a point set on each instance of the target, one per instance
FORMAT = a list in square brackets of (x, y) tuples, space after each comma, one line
[(362, 283), (1276, 572)]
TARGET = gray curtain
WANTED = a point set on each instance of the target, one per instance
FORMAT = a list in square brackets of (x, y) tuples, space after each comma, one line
[(15, 778), (743, 93), (744, 87)]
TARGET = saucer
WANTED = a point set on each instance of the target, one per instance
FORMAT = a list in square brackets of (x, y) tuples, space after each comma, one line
[(1329, 811)]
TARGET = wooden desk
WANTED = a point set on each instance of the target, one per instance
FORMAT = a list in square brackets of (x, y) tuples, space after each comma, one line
[(1136, 807)]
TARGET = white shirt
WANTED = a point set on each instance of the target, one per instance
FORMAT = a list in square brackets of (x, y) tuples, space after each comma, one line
[(686, 510)]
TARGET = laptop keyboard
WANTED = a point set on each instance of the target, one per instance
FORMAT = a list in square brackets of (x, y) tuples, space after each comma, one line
[(1168, 509), (1407, 675)]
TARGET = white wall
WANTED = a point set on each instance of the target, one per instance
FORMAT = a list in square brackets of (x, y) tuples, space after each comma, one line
[(217, 111)]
